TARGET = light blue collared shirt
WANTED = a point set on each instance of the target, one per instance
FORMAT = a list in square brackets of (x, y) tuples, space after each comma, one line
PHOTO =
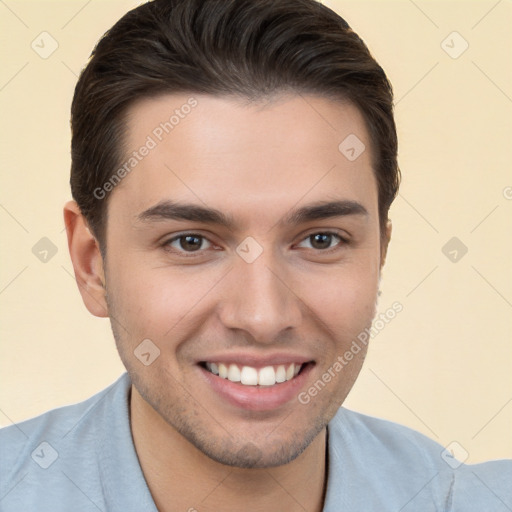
[(81, 458)]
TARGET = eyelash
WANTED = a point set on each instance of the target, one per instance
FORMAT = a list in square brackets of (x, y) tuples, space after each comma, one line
[(167, 244)]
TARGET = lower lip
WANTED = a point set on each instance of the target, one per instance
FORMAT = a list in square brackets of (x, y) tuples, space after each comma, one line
[(257, 398)]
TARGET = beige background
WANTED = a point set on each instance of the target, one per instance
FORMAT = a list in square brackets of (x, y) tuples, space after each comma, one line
[(443, 365)]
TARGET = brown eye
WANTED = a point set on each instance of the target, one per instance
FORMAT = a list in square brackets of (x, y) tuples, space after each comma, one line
[(188, 243), (322, 241)]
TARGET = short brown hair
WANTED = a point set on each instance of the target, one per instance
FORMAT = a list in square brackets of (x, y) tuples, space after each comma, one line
[(246, 48)]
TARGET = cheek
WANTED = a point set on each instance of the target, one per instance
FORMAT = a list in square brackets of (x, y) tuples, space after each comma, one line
[(344, 298), (155, 302)]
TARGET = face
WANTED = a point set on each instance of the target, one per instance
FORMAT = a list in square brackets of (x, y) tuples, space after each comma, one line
[(246, 247)]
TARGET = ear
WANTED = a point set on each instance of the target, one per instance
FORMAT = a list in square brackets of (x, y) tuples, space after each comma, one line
[(87, 261), (386, 237)]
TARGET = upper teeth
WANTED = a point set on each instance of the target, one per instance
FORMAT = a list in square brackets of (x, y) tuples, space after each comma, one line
[(249, 376)]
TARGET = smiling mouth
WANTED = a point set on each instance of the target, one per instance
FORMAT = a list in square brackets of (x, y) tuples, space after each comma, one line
[(250, 376)]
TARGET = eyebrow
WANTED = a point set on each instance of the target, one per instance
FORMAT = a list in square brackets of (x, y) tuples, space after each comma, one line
[(169, 210), (325, 210)]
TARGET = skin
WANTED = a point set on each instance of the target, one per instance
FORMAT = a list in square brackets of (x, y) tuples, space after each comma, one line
[(256, 163)]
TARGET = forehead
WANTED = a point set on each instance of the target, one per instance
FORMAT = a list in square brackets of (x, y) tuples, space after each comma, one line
[(244, 157)]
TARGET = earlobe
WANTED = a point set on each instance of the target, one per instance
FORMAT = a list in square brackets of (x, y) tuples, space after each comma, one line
[(87, 260)]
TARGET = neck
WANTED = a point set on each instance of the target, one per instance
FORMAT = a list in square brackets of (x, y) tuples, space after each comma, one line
[(180, 477)]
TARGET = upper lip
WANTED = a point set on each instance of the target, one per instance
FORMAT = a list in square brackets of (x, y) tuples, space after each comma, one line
[(256, 361)]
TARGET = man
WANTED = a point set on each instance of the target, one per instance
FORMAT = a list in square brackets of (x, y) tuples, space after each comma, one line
[(233, 164)]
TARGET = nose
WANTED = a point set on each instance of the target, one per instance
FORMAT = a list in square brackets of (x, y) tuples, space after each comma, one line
[(260, 300)]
